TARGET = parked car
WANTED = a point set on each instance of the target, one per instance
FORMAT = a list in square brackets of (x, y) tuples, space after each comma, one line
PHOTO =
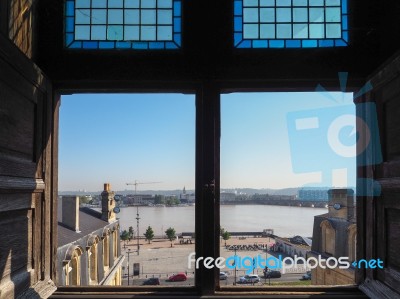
[(151, 281), (251, 278), (223, 276), (272, 274), (306, 276), (178, 277)]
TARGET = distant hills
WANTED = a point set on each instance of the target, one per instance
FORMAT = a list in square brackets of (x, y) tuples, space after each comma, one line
[(247, 191)]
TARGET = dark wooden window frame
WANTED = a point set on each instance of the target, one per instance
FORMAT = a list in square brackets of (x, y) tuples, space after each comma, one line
[(207, 209)]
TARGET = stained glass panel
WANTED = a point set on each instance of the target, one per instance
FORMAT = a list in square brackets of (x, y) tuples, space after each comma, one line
[(290, 23), (123, 24)]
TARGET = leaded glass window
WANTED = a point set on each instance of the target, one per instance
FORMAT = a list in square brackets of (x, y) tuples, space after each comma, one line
[(290, 23), (123, 24)]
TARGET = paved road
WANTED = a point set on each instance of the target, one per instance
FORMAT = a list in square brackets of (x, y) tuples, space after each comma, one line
[(229, 282)]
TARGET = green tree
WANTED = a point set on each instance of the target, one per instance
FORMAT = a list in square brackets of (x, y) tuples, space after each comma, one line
[(221, 230), (124, 236), (149, 234), (171, 234), (226, 236), (131, 233)]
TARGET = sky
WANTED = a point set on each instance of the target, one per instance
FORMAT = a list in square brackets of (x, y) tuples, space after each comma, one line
[(120, 138)]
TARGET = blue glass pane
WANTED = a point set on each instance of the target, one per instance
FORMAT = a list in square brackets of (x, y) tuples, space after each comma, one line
[(290, 23), (267, 15), (82, 32), (148, 33), (250, 15), (316, 3), (277, 44), (269, 3), (237, 8), (106, 45), (69, 9), (317, 15), (131, 33), (333, 31), (332, 2), (115, 16), (250, 31), (300, 15), (124, 24), (82, 3), (164, 17), (326, 43), (82, 16), (177, 8), (283, 2), (267, 31), (317, 30), (300, 3), (115, 3), (332, 14), (260, 44), (141, 46), (99, 3), (115, 32), (99, 32), (156, 45), (238, 23), (90, 45), (131, 16), (164, 33), (69, 24), (309, 43), (164, 3), (247, 3), (293, 43), (344, 23), (131, 4), (177, 25), (300, 31), (283, 31), (178, 38), (99, 16), (148, 17), (148, 3), (283, 15)]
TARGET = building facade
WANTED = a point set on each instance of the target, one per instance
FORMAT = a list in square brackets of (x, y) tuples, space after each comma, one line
[(334, 235), (89, 250)]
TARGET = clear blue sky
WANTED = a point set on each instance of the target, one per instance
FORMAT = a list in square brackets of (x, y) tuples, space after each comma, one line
[(119, 138)]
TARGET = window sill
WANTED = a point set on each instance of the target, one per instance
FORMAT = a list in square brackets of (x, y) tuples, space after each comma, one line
[(276, 292)]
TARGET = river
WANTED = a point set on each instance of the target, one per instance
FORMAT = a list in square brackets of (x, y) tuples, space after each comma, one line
[(285, 221)]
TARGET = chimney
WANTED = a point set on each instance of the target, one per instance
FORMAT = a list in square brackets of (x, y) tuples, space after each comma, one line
[(70, 212), (341, 203), (107, 204)]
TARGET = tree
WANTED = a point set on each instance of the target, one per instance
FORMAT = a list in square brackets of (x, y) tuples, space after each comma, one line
[(149, 234), (221, 230), (131, 233), (124, 236), (171, 234), (226, 236)]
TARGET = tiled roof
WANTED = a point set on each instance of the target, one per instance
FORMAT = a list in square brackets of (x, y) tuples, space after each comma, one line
[(89, 222)]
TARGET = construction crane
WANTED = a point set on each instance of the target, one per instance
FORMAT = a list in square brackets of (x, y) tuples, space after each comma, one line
[(137, 210), (136, 183)]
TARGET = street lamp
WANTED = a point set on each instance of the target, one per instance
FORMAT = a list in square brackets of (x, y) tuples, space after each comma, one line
[(137, 219), (234, 283), (129, 251)]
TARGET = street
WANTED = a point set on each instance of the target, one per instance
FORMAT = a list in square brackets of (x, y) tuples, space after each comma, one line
[(229, 282)]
